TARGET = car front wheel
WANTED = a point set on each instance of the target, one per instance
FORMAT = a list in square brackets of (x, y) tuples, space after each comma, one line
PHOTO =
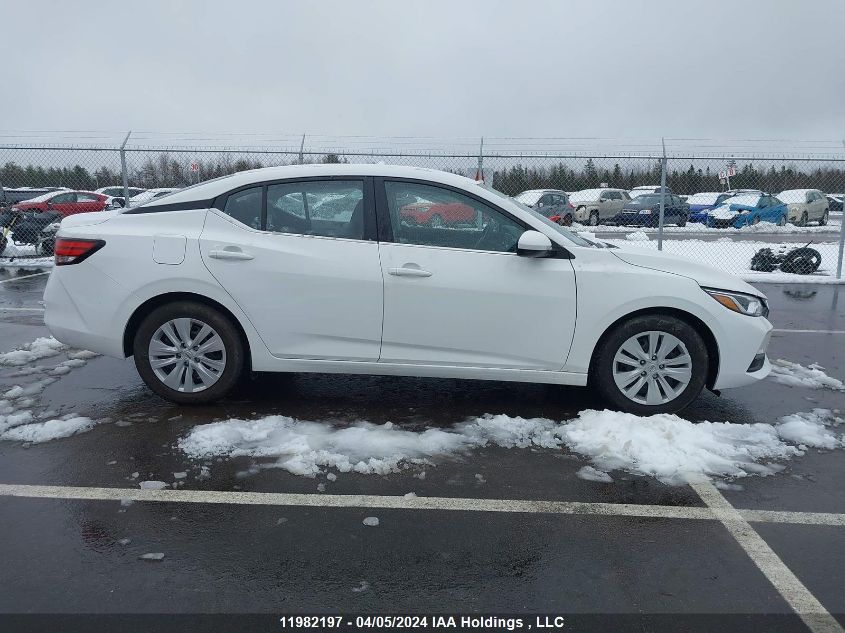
[(650, 364), (189, 352)]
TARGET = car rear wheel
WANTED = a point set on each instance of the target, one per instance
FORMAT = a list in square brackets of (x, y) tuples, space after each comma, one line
[(436, 222), (825, 217), (566, 220), (804, 219), (782, 221), (594, 218), (682, 220), (188, 352), (650, 364), (3, 242)]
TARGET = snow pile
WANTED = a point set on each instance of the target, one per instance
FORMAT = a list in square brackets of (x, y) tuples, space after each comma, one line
[(795, 375), (666, 447), (37, 432), (39, 348), (637, 236)]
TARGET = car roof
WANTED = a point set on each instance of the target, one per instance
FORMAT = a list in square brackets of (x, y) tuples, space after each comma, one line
[(213, 188)]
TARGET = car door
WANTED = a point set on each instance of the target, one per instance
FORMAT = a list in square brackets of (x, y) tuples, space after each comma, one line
[(64, 203), (301, 260), (817, 205), (88, 202), (463, 297)]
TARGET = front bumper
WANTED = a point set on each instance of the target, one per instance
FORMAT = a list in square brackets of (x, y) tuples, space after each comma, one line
[(742, 343)]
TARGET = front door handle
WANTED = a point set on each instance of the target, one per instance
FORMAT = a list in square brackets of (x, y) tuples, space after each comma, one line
[(230, 253), (408, 272)]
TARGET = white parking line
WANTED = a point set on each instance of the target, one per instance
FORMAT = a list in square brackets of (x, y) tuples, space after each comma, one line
[(5, 281), (809, 331), (805, 604), (8, 309), (414, 503)]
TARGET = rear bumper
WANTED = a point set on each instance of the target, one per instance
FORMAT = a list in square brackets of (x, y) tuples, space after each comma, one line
[(81, 318)]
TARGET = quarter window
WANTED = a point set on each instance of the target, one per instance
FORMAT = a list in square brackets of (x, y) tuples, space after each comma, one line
[(332, 208), (245, 207), (428, 215)]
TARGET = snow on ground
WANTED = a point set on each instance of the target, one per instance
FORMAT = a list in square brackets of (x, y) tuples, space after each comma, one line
[(25, 260), (735, 257), (18, 418), (795, 375), (666, 447), (43, 347), (763, 228)]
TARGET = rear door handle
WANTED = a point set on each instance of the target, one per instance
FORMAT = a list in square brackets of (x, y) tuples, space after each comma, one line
[(230, 253), (408, 272)]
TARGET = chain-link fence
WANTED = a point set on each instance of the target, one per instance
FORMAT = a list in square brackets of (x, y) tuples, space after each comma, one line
[(761, 216)]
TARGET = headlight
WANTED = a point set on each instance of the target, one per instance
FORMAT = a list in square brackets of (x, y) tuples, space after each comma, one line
[(739, 302)]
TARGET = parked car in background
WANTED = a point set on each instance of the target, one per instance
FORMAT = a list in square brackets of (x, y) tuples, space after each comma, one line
[(746, 209), (805, 206), (66, 203), (551, 203), (117, 192), (644, 210), (437, 214), (13, 196), (700, 205), (592, 206), (150, 194), (834, 201), (643, 189), (647, 329)]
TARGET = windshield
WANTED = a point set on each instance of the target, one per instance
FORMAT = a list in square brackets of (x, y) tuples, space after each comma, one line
[(793, 195), (586, 195), (636, 193), (572, 237), (529, 197), (42, 197), (703, 198), (649, 198), (745, 199)]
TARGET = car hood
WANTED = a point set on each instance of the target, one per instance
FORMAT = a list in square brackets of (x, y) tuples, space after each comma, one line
[(702, 274), (701, 207), (727, 211), (87, 219)]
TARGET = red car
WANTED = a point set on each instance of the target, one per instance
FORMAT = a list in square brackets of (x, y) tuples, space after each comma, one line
[(66, 203), (438, 213)]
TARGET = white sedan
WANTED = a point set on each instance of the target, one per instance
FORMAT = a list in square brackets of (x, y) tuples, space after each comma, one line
[(315, 268)]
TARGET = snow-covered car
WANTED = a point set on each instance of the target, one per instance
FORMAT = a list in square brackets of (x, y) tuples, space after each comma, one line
[(834, 201), (591, 206), (552, 203), (150, 194), (700, 205), (199, 298), (747, 209), (643, 189), (116, 192), (805, 206)]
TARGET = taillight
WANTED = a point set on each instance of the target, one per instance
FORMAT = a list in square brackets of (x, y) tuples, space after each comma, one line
[(72, 251)]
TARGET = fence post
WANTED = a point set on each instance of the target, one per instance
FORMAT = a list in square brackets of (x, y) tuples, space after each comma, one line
[(662, 197), (123, 170), (302, 151), (841, 247), (479, 173)]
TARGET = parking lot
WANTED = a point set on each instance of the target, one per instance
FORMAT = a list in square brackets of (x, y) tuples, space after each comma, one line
[(487, 530)]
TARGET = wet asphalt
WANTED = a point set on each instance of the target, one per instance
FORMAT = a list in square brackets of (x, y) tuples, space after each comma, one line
[(62, 556)]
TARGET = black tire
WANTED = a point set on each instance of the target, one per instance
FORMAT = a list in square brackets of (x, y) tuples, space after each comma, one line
[(682, 220), (825, 216), (601, 371), (594, 218), (804, 219), (228, 332), (3, 242), (566, 220), (436, 222)]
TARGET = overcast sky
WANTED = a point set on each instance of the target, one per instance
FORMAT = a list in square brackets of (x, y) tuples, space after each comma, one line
[(567, 68)]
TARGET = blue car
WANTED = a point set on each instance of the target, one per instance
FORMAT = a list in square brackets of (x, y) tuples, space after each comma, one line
[(701, 204), (746, 209)]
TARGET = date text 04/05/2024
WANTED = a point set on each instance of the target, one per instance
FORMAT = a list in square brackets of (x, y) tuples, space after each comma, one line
[(420, 622)]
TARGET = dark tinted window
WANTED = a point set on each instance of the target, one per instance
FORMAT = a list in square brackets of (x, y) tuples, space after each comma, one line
[(245, 207), (330, 208)]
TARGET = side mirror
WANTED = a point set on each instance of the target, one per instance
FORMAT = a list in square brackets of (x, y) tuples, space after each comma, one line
[(533, 244)]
